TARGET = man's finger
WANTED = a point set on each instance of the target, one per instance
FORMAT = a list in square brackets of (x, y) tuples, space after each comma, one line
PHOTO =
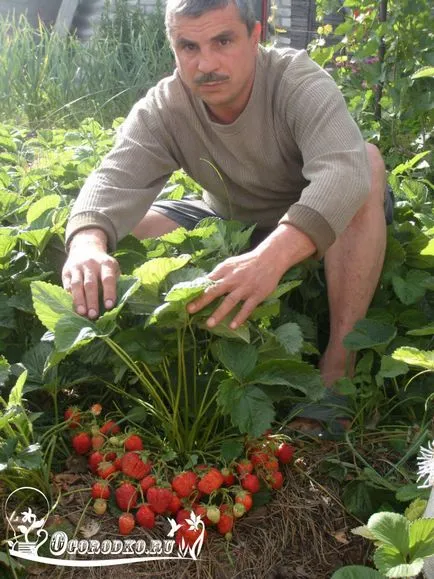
[(248, 307), (227, 305), (109, 275), (90, 283), (209, 295), (77, 292), (66, 280)]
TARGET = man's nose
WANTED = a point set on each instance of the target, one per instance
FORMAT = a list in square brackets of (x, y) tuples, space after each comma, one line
[(207, 62)]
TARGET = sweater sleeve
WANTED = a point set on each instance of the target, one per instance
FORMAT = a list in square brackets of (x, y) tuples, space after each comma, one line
[(117, 195), (335, 161)]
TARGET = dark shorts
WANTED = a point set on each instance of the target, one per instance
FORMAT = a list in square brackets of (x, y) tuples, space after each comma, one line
[(189, 211)]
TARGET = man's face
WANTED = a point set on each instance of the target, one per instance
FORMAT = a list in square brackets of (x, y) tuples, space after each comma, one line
[(216, 59)]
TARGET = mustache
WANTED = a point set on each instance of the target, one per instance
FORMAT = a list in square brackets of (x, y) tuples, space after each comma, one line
[(210, 77)]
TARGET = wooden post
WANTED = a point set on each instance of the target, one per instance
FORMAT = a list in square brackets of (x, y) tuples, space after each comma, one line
[(65, 16), (381, 56)]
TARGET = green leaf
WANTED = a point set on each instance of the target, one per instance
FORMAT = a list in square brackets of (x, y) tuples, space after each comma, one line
[(7, 313), (410, 492), (294, 374), (391, 529), (153, 272), (284, 288), (73, 332), (250, 409), (356, 572), (424, 72), (358, 499), (415, 510), (240, 359), (187, 291), (415, 357), (31, 457), (421, 538), (42, 205), (231, 449), (425, 331), (290, 337), (369, 334), (411, 288), (223, 330), (404, 167), (5, 370), (16, 394), (268, 309), (51, 302), (390, 368), (126, 287), (393, 564)]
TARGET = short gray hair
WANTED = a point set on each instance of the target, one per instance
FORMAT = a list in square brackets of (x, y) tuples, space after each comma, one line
[(195, 8)]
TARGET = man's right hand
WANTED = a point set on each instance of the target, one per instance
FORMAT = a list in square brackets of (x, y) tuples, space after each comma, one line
[(87, 265)]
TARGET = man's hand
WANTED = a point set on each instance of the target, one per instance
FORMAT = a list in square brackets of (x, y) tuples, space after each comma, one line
[(87, 265), (253, 276)]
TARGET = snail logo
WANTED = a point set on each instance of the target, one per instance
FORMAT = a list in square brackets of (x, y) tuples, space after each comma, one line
[(27, 522), (29, 534)]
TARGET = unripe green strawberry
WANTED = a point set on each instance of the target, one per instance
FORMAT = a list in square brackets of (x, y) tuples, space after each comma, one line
[(213, 514), (100, 506), (239, 510)]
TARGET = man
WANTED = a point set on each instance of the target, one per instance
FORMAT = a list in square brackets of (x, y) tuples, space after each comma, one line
[(268, 136)]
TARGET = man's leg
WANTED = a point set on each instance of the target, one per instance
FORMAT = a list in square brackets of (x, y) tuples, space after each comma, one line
[(353, 266)]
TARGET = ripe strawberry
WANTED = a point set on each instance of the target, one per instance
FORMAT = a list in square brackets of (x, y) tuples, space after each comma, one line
[(175, 505), (213, 514), (100, 506), (106, 469), (133, 442), (147, 482), (96, 409), (272, 464), (145, 517), (244, 467), (100, 490), (81, 443), (182, 515), (239, 510), (109, 427), (184, 483), (97, 441), (190, 536), (285, 452), (110, 456), (134, 467), (126, 523), (251, 483), (211, 481), (126, 496), (228, 477), (94, 460), (202, 511), (225, 524), (72, 413), (244, 498), (276, 480), (259, 458), (118, 462), (159, 498)]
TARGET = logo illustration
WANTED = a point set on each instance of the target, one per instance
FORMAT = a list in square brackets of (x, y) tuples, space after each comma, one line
[(27, 525)]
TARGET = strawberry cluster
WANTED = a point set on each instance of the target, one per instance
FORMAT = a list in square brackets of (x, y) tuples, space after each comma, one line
[(142, 486)]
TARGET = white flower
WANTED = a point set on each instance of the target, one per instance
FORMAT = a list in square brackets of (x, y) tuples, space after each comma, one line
[(425, 462)]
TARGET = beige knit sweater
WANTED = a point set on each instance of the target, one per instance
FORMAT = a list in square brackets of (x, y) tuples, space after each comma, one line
[(294, 155)]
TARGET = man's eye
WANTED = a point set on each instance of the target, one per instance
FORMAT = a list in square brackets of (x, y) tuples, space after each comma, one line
[(189, 47), (224, 41)]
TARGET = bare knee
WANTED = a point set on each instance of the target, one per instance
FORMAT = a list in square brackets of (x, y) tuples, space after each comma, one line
[(378, 172), (154, 224)]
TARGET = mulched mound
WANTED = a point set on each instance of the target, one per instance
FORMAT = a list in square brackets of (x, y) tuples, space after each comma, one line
[(304, 532)]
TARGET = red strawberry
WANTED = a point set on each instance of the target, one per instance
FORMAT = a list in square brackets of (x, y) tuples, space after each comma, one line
[(126, 523), (202, 511), (175, 505), (126, 496), (145, 516), (109, 427), (94, 459), (118, 462), (259, 458), (100, 506), (211, 481), (147, 482), (106, 469), (225, 524), (285, 453), (272, 464), (159, 498), (251, 483), (97, 441), (184, 483), (81, 443), (244, 467), (228, 477), (190, 536), (73, 414), (276, 480), (100, 490), (134, 467), (244, 498), (111, 456), (182, 515), (133, 442)]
